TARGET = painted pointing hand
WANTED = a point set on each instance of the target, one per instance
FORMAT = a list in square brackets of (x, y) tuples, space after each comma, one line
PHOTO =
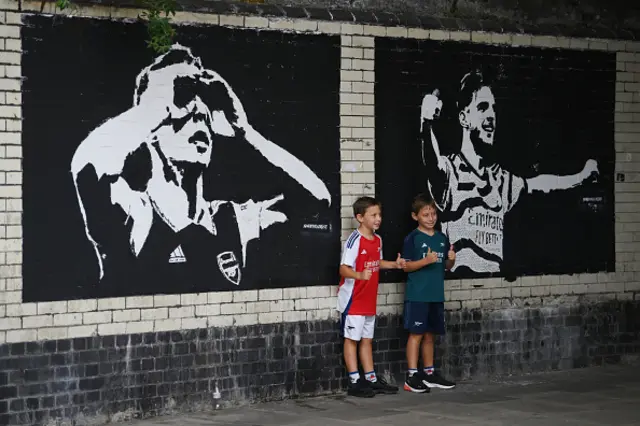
[(270, 217), (254, 217)]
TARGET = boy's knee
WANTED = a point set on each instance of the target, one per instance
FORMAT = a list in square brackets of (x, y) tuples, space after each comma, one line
[(416, 336), (350, 342)]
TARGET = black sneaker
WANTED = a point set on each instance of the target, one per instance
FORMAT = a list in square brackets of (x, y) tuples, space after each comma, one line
[(361, 389), (381, 386), (415, 384), (434, 380)]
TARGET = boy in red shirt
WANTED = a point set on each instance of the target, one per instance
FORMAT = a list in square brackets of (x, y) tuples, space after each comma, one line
[(357, 296)]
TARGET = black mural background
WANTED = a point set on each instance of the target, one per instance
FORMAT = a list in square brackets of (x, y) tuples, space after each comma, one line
[(555, 110), (80, 72)]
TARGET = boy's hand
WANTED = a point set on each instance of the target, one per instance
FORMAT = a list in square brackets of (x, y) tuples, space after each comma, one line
[(400, 262), (452, 254), (432, 257), (364, 275)]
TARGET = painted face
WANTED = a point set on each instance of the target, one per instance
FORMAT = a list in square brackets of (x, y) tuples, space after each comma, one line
[(372, 218), (190, 103), (188, 136), (426, 217), (480, 117)]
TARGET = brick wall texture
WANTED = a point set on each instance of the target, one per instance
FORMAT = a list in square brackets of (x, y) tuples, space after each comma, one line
[(145, 355)]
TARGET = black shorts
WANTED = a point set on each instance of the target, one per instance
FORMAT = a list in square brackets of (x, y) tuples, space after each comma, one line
[(424, 317)]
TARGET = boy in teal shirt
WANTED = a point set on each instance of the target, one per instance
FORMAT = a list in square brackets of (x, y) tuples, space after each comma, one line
[(428, 254)]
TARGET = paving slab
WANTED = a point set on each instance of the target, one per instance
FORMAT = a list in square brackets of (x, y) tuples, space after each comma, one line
[(608, 395)]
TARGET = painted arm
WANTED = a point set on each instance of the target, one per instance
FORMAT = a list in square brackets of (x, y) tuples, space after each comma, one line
[(291, 165), (116, 219), (431, 158), (107, 172), (548, 183), (275, 154), (109, 145)]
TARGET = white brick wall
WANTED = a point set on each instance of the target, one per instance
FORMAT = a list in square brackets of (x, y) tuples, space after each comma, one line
[(76, 318)]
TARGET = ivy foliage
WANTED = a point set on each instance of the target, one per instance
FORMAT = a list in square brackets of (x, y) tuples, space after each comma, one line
[(157, 14)]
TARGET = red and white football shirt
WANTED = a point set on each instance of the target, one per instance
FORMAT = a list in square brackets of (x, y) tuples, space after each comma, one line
[(359, 297)]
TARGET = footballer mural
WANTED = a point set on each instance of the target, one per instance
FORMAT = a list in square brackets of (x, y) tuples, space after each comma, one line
[(181, 188), (515, 145)]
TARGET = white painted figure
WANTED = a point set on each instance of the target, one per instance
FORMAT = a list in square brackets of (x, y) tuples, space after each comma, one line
[(149, 163), (469, 185)]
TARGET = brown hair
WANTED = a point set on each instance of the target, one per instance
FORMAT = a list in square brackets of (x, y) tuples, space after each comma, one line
[(363, 203), (421, 201)]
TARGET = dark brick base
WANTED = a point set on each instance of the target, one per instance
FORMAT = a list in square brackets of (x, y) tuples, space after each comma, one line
[(111, 378)]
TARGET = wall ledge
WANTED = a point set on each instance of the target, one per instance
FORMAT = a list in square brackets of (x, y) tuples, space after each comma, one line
[(389, 19)]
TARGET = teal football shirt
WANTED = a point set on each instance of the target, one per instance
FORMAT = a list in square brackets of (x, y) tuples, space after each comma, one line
[(427, 283)]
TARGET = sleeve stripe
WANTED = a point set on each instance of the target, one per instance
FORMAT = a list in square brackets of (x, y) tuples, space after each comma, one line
[(352, 239)]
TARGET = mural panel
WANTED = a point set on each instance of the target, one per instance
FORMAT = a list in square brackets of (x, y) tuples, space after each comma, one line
[(214, 166), (514, 144)]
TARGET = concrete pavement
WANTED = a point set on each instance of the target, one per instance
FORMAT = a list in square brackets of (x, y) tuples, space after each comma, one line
[(607, 395)]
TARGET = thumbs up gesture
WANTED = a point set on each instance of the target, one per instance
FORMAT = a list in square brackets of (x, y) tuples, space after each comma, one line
[(400, 262), (452, 254), (432, 256)]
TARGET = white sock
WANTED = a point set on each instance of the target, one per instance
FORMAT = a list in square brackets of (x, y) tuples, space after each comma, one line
[(371, 376)]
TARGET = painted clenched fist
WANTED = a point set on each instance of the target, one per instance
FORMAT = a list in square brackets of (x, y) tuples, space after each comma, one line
[(431, 106), (590, 170)]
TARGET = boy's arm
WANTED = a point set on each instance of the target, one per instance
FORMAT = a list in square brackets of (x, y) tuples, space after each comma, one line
[(387, 264), (348, 261), (347, 271), (397, 264), (430, 258)]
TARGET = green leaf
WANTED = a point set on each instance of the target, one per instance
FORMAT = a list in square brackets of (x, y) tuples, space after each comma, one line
[(63, 4), (159, 28), (160, 31)]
